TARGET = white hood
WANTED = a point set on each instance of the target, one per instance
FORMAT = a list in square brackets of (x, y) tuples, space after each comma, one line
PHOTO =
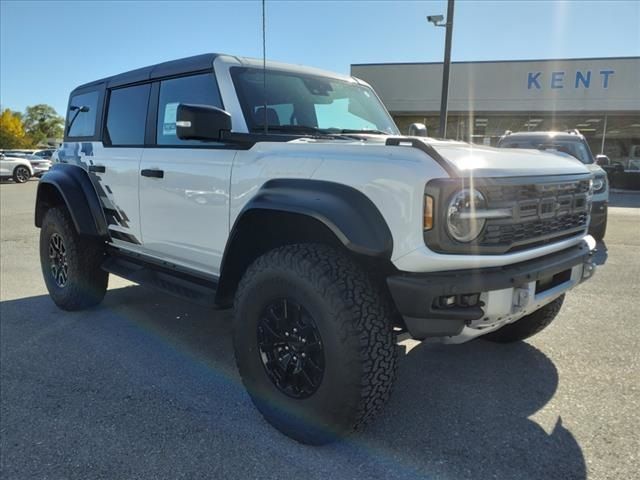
[(479, 160), (482, 161)]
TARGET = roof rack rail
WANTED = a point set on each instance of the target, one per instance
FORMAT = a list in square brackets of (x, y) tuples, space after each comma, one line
[(574, 131)]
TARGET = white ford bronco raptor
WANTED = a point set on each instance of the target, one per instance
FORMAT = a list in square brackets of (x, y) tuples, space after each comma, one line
[(288, 194)]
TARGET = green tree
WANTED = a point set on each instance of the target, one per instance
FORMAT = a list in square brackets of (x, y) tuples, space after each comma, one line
[(12, 134), (41, 122)]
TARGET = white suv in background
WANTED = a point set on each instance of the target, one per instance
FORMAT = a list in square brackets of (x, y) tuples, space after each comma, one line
[(18, 168), (574, 144)]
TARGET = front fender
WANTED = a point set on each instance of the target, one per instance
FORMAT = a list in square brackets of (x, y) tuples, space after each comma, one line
[(347, 212)]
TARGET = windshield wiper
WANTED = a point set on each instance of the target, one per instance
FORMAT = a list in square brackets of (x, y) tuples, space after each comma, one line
[(292, 129), (302, 130), (366, 130)]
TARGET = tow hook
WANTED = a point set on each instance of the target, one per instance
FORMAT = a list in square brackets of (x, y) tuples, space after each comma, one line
[(520, 299)]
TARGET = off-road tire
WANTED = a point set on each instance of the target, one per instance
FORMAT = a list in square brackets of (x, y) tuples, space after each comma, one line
[(528, 325), (86, 282), (354, 319), (21, 174)]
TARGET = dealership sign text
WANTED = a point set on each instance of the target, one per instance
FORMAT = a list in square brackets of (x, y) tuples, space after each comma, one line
[(582, 79)]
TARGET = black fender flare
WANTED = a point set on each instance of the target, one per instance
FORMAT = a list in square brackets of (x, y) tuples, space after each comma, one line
[(74, 186), (350, 215)]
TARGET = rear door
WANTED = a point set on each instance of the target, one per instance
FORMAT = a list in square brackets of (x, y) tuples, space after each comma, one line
[(184, 185), (114, 164)]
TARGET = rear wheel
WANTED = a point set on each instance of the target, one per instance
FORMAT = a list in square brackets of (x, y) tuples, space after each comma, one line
[(314, 342), (21, 174), (528, 325), (71, 263)]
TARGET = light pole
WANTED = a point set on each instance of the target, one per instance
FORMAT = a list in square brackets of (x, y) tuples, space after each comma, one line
[(436, 20)]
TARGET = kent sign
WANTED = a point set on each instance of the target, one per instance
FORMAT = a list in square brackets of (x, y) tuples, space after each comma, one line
[(582, 79)]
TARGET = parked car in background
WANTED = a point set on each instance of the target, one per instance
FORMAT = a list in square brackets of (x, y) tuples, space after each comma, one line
[(18, 168), (45, 154), (574, 144), (39, 164)]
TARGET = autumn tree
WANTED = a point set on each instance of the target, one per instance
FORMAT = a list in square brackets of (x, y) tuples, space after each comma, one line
[(42, 122), (12, 133)]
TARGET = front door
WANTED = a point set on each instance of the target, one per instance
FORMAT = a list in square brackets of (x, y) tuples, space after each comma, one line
[(184, 185)]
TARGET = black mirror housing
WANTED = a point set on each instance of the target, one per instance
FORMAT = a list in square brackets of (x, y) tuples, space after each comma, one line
[(201, 122), (417, 130)]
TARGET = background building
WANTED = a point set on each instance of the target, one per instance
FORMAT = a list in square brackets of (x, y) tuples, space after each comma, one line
[(598, 96)]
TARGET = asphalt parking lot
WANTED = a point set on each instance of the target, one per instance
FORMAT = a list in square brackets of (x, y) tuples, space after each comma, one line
[(145, 386)]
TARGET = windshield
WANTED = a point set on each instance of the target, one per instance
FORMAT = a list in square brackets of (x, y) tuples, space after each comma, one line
[(576, 148), (300, 103)]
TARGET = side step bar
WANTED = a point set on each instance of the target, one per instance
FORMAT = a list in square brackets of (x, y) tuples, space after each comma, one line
[(179, 284)]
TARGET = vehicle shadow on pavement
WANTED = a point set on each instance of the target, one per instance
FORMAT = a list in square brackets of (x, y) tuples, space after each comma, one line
[(462, 412), (146, 386)]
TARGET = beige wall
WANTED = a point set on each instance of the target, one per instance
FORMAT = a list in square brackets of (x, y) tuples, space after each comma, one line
[(508, 86)]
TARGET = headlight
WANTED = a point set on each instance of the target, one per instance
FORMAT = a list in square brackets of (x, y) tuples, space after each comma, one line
[(462, 223), (599, 184)]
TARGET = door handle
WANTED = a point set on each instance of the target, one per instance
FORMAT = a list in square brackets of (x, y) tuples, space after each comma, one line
[(153, 173), (97, 168)]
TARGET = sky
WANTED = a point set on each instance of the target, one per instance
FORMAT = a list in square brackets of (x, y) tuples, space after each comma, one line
[(47, 48)]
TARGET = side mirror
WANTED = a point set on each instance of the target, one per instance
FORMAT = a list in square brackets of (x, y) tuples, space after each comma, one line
[(417, 130), (602, 160), (201, 122)]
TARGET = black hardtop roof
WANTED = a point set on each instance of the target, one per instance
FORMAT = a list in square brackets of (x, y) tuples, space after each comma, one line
[(181, 66)]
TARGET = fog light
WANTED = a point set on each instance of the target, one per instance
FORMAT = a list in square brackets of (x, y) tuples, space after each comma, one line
[(469, 300)]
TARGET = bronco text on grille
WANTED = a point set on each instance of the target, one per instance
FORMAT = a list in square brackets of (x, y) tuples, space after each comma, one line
[(537, 211)]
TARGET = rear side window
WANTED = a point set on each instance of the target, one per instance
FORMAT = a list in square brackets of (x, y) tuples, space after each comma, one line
[(81, 117), (196, 89), (127, 115)]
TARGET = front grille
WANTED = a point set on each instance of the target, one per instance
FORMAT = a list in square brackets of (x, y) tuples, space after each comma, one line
[(540, 211), (514, 193), (521, 232)]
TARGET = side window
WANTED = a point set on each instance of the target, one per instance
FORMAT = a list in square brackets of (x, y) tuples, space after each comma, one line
[(81, 117), (196, 89), (127, 115)]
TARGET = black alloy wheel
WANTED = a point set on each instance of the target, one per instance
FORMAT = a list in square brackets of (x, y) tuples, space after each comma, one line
[(58, 260), (71, 263), (290, 348)]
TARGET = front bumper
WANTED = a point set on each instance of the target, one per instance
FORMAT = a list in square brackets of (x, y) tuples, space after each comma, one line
[(504, 294)]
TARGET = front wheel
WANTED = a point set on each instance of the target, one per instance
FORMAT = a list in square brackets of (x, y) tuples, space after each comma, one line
[(71, 263), (528, 325), (314, 342), (21, 174)]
